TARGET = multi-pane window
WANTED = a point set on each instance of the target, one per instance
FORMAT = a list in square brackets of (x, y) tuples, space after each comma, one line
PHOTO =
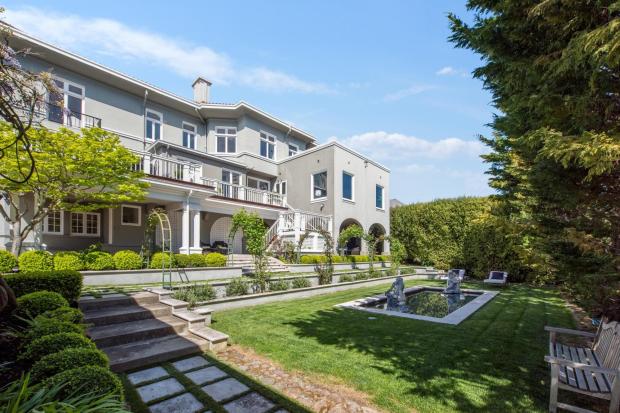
[(319, 185), (85, 223), (52, 224), (292, 149), (226, 140), (131, 215), (379, 196), (65, 103), (347, 186), (258, 184), (153, 125), (189, 135), (280, 188), (267, 145)]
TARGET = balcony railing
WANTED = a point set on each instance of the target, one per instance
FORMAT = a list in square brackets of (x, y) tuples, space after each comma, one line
[(168, 168), (64, 116), (245, 193)]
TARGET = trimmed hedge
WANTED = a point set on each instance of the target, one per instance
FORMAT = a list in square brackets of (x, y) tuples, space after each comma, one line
[(45, 326), (92, 379), (67, 359), (160, 259), (36, 260), (54, 343), (279, 285), (181, 260), (68, 260), (301, 282), (7, 261), (72, 315), (127, 260), (197, 260), (33, 304), (99, 261), (215, 259), (66, 283)]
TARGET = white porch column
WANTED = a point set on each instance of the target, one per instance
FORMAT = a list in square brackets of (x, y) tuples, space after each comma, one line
[(185, 230), (196, 248)]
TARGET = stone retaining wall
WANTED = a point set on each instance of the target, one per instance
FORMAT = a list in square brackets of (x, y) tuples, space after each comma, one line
[(146, 276)]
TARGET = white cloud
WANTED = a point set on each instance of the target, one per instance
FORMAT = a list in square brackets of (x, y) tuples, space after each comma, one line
[(110, 37), (410, 91), (447, 71), (388, 146)]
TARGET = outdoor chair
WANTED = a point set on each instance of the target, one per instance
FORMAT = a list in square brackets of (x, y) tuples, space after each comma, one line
[(591, 370), (497, 278)]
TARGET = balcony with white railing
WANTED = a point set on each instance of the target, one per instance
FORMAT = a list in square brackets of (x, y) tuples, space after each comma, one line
[(291, 225), (168, 168), (245, 193)]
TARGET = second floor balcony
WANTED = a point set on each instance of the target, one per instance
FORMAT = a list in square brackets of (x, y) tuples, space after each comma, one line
[(67, 117), (245, 193)]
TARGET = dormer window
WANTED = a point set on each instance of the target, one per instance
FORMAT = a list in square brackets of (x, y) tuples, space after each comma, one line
[(267, 145), (189, 135), (226, 140), (153, 125)]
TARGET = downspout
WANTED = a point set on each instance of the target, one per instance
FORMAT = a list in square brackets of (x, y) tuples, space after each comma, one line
[(146, 94)]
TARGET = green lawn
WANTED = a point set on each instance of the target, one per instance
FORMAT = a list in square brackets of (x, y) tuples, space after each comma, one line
[(491, 362)]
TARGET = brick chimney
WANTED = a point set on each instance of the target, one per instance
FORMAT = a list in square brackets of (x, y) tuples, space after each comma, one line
[(201, 88)]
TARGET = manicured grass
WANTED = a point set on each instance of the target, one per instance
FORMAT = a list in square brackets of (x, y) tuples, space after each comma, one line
[(492, 362)]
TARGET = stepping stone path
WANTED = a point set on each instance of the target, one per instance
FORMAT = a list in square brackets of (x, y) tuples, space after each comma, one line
[(163, 393)]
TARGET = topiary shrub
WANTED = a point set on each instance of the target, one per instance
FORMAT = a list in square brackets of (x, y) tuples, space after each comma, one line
[(93, 379), (54, 343), (279, 285), (301, 282), (68, 260), (36, 261), (98, 261), (127, 260), (66, 283), (336, 259), (215, 259), (345, 278), (181, 260), (67, 359), (33, 304), (7, 261), (237, 286), (72, 315), (198, 260), (41, 327), (161, 259)]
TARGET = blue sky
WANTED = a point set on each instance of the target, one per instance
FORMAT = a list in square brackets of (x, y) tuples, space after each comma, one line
[(378, 76)]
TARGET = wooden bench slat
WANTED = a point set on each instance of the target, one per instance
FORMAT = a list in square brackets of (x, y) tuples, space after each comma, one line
[(583, 358), (600, 380), (579, 373), (570, 371)]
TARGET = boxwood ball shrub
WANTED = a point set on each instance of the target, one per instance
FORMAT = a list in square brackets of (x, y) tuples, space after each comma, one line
[(7, 261), (68, 260), (54, 343), (279, 285), (41, 327), (215, 259), (99, 261), (67, 359), (72, 315), (93, 379), (66, 283), (197, 260), (181, 260), (33, 304), (301, 282), (36, 261), (238, 286), (127, 260), (161, 259)]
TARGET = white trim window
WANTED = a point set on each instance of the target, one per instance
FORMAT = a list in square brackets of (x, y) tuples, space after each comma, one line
[(280, 188), (189, 135), (318, 183), (292, 149), (154, 121), (267, 146), (66, 105), (225, 140), (379, 198), (53, 223), (348, 186), (131, 215), (87, 224), (258, 184)]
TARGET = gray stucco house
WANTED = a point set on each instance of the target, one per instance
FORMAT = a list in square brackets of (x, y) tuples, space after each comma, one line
[(204, 161)]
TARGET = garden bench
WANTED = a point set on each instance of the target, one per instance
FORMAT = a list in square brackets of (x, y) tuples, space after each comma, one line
[(593, 370), (497, 278)]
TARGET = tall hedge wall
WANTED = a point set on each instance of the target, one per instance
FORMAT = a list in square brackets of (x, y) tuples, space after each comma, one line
[(458, 233)]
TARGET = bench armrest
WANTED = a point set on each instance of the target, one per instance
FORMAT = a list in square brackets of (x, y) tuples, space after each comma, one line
[(559, 330), (573, 364)]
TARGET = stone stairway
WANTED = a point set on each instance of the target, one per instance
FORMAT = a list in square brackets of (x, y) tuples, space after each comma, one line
[(147, 327), (246, 263)]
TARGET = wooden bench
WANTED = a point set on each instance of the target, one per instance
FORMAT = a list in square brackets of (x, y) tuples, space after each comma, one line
[(593, 370)]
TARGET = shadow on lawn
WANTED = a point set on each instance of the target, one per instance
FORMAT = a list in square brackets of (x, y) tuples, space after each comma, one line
[(492, 361)]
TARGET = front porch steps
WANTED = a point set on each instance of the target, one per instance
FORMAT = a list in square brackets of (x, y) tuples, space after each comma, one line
[(147, 327), (246, 262)]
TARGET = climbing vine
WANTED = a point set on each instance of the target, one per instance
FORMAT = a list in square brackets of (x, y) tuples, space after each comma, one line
[(326, 269), (254, 230), (397, 254)]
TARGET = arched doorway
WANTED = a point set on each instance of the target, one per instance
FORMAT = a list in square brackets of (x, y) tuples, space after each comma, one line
[(354, 245), (220, 231), (377, 230)]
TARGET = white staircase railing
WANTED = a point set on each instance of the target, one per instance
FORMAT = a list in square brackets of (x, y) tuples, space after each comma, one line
[(294, 223)]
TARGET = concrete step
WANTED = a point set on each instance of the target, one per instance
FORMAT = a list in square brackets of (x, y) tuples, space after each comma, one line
[(123, 314), (217, 340), (131, 331), (117, 300), (142, 353)]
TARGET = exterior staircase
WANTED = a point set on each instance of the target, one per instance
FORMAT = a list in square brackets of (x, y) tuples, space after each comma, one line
[(147, 327), (246, 262)]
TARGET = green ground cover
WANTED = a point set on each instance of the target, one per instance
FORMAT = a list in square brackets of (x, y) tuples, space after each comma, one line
[(491, 362)]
